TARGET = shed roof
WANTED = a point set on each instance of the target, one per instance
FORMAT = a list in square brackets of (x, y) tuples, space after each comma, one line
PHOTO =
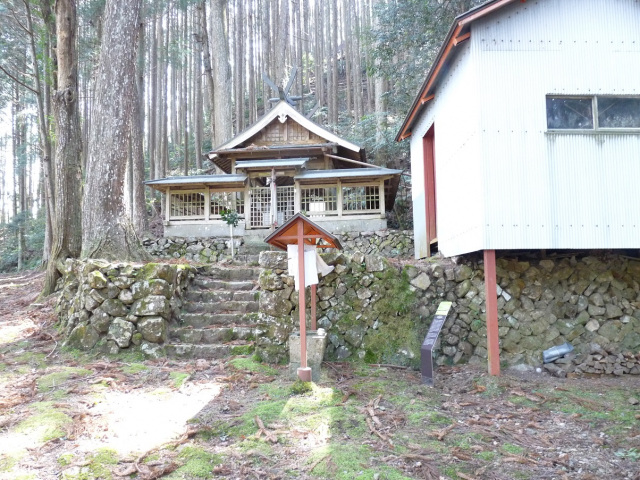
[(458, 33)]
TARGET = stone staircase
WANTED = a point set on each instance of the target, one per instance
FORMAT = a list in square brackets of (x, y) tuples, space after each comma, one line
[(214, 321)]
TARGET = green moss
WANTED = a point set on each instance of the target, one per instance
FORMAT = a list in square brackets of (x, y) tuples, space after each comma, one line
[(97, 467), (251, 365), (48, 423), (299, 387), (486, 456), (197, 463), (513, 449), (242, 349), (35, 360), (347, 462), (400, 334), (134, 368), (65, 459), (53, 380), (179, 378)]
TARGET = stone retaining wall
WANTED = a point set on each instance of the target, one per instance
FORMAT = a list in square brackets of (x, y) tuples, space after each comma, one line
[(380, 311), (388, 243), (114, 306)]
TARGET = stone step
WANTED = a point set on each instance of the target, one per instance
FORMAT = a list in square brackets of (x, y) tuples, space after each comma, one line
[(201, 295), (199, 320), (228, 285), (213, 335), (236, 273), (229, 306), (188, 350)]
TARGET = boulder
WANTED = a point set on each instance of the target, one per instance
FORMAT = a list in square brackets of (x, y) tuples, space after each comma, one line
[(120, 331), (153, 329), (83, 337), (96, 279), (114, 307), (150, 306)]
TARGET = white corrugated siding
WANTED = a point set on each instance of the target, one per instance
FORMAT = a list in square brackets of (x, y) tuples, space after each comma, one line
[(545, 190), (459, 199)]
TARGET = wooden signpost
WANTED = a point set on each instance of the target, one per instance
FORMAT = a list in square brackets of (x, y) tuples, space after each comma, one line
[(426, 352)]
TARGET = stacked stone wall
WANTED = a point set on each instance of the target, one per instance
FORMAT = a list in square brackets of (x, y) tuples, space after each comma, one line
[(117, 306), (388, 243), (380, 311)]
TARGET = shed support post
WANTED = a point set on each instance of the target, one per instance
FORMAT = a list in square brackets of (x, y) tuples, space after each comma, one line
[(491, 303)]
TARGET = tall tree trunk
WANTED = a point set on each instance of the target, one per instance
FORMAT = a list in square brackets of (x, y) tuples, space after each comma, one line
[(67, 218), (222, 72), (139, 205), (208, 68), (107, 230)]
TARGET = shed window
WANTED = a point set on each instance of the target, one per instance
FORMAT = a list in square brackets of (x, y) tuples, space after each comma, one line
[(593, 113), (618, 112), (567, 112)]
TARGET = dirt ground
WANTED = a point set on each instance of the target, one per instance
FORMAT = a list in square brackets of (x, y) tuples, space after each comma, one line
[(69, 415)]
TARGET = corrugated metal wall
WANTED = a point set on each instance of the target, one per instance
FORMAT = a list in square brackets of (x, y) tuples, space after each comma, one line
[(459, 198), (503, 181), (557, 190)]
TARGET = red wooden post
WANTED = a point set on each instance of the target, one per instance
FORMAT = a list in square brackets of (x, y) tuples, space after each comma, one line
[(491, 302), (314, 289), (304, 372)]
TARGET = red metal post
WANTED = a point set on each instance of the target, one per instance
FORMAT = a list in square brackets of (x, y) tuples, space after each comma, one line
[(314, 289), (304, 372), (491, 302)]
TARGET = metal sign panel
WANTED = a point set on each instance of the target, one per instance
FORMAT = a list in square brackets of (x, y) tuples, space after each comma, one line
[(426, 351)]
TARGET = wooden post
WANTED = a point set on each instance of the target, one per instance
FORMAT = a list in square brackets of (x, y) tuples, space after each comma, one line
[(274, 199), (304, 372), (314, 289), (207, 204), (167, 206), (491, 302)]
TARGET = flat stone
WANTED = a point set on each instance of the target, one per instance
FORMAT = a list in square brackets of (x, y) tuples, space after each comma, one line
[(151, 305), (592, 325), (422, 281)]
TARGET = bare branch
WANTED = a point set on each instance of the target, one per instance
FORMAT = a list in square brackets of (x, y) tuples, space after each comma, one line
[(36, 92)]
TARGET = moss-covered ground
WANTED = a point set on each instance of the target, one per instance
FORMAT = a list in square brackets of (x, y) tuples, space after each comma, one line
[(78, 416)]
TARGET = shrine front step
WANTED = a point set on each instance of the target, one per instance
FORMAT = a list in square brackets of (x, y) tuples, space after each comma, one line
[(229, 306)]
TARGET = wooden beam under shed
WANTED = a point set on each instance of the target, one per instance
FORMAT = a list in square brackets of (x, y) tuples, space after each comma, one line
[(491, 303)]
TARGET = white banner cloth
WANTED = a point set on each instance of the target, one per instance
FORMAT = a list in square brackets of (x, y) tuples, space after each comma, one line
[(313, 265)]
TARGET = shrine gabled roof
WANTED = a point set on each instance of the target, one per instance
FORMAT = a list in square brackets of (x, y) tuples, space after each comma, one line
[(281, 111), (268, 164)]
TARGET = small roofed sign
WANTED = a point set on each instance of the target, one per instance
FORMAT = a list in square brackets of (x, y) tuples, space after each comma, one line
[(426, 352)]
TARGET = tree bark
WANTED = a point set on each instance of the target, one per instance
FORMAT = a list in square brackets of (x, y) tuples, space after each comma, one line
[(67, 215), (107, 229), (139, 210), (222, 72)]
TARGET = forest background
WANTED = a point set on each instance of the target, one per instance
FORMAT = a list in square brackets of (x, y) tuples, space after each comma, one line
[(199, 70)]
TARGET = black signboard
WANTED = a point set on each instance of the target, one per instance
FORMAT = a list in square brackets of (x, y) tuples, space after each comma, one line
[(426, 352)]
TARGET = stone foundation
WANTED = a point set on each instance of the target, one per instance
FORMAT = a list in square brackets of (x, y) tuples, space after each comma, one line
[(380, 311), (117, 306), (388, 243)]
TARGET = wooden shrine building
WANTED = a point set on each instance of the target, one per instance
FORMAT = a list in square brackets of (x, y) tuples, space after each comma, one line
[(282, 165)]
